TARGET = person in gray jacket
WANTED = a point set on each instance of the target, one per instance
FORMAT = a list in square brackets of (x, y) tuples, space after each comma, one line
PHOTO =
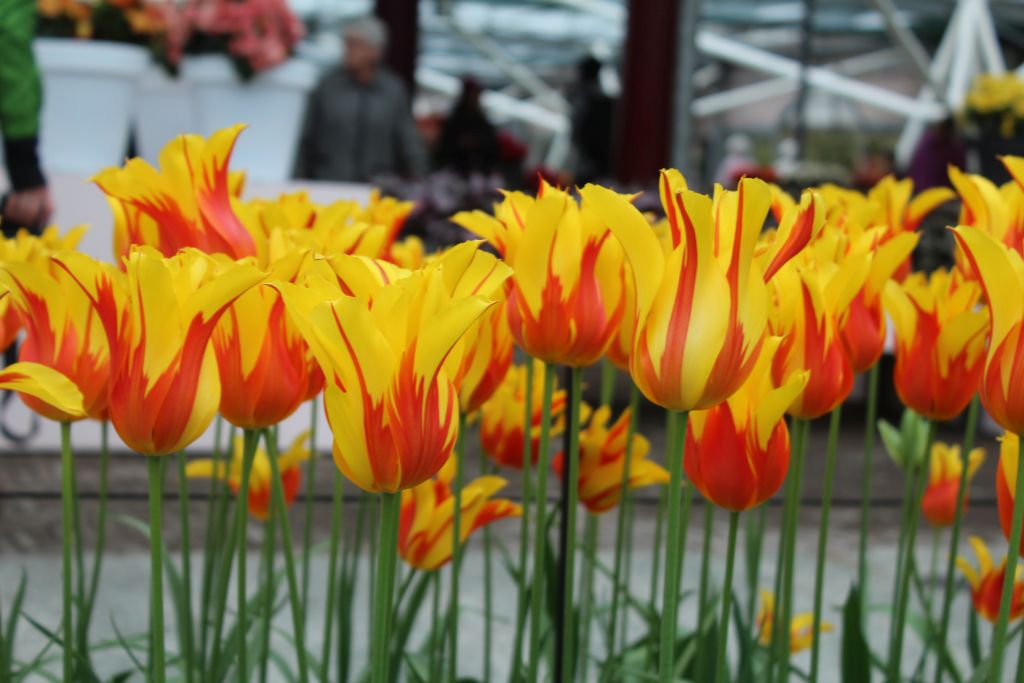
[(359, 124)]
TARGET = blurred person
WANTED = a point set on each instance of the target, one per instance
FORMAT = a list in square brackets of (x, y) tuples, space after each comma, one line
[(469, 142), (28, 203), (359, 124), (738, 161), (939, 147), (593, 118)]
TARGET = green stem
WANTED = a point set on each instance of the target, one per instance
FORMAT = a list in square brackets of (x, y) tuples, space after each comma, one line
[(784, 601), (572, 474), (350, 576), (954, 536), (721, 668), (221, 587), (337, 502), (659, 521), (608, 375), (456, 564), (906, 566), (866, 487), (434, 661), (673, 559), (82, 651), (251, 441), (211, 544), (391, 504), (590, 532), (524, 528), (156, 549), (101, 532), (620, 527), (999, 635), (186, 571), (67, 476), (281, 515), (268, 603), (540, 537), (933, 571), (826, 508), (488, 586), (627, 572), (755, 542), (702, 594), (307, 525)]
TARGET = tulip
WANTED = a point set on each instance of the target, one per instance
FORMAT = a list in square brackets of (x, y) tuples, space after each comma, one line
[(424, 534), (801, 628), (1006, 476), (187, 203), (899, 210), (807, 306), (940, 342), (501, 418), (940, 497), (260, 479), (263, 362), (1001, 274), (566, 299), (158, 316), (46, 385), (389, 400), (603, 451), (62, 332), (986, 584), (737, 453)]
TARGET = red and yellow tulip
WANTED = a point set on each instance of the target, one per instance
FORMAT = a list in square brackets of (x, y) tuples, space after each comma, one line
[(940, 342), (390, 401), (1001, 272), (158, 316), (61, 331), (938, 505), (260, 476), (427, 515), (737, 453), (801, 628), (986, 583), (501, 417), (45, 385), (1006, 477), (187, 203), (264, 364), (702, 305), (603, 458)]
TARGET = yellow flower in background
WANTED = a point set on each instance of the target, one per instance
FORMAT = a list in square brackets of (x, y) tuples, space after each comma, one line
[(501, 417), (188, 202), (603, 458), (391, 404), (801, 628), (260, 476), (158, 315), (986, 583), (938, 505), (702, 307), (899, 209), (425, 528)]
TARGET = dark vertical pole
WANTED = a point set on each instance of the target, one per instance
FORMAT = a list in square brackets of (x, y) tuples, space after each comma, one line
[(645, 116), (563, 539), (402, 19), (806, 54)]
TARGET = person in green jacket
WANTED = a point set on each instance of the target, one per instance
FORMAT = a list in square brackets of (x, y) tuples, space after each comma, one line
[(28, 200)]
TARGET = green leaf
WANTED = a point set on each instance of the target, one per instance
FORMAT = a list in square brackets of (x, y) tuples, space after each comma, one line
[(854, 657), (417, 667), (973, 637), (7, 641), (892, 439)]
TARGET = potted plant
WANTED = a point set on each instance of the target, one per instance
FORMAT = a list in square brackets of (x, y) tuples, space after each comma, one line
[(237, 63), (994, 116), (91, 55)]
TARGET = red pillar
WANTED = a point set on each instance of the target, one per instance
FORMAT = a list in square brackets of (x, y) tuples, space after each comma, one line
[(645, 109), (402, 19)]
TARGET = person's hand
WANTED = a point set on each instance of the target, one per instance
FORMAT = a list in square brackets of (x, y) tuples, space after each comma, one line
[(29, 208)]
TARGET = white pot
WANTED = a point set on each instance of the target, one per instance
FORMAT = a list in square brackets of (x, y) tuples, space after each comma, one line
[(272, 103), (163, 111), (89, 91)]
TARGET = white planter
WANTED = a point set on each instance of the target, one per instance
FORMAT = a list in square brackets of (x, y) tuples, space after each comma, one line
[(273, 105), (163, 111), (89, 91)]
